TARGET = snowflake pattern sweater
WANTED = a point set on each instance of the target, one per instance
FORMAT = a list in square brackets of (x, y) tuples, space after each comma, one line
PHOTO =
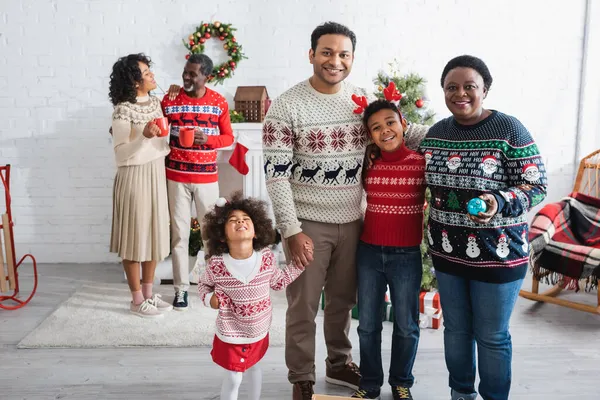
[(497, 156), (245, 310), (314, 145), (395, 187), (197, 164)]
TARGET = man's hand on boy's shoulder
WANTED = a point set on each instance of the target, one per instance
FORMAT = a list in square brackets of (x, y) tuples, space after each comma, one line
[(415, 135)]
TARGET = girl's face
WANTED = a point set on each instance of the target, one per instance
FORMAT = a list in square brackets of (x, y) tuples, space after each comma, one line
[(386, 129), (147, 83), (239, 227), (464, 93)]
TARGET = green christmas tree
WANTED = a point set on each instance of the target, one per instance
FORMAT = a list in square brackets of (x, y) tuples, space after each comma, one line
[(453, 201), (413, 106)]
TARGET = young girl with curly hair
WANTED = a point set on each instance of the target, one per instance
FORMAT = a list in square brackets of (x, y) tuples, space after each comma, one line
[(238, 278)]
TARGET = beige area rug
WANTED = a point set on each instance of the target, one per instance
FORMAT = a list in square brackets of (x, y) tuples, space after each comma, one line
[(98, 316)]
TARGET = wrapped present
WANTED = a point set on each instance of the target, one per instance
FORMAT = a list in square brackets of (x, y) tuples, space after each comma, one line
[(430, 310)]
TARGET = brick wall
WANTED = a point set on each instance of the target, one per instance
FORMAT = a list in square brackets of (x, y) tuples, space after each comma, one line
[(57, 56)]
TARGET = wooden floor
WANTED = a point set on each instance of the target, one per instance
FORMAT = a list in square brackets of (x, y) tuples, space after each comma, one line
[(556, 355)]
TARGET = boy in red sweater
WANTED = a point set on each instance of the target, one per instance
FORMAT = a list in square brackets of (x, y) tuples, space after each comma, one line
[(389, 253)]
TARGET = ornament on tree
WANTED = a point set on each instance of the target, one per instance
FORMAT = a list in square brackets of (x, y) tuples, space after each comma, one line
[(217, 30), (412, 89)]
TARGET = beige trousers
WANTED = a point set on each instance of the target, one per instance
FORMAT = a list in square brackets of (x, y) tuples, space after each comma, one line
[(334, 268), (181, 195)]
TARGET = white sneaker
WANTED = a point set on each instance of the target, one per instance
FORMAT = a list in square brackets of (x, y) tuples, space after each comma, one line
[(159, 303), (145, 310)]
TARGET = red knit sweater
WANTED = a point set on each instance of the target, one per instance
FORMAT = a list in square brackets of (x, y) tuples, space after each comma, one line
[(395, 187), (197, 164)]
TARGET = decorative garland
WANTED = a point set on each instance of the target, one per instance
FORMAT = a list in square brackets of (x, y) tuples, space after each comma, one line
[(223, 32)]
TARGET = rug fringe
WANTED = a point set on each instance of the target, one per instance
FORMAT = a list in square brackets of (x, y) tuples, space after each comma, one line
[(553, 278)]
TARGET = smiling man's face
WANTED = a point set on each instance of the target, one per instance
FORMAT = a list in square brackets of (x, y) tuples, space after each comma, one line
[(332, 59)]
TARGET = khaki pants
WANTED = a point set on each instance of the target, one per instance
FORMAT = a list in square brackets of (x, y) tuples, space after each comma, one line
[(181, 195), (334, 268)]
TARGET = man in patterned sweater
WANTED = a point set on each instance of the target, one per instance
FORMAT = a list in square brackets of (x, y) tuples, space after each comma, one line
[(192, 172), (314, 147)]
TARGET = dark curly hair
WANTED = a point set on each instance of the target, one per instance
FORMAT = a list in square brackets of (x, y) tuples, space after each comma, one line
[(466, 61), (213, 229), (379, 105), (331, 28), (125, 74)]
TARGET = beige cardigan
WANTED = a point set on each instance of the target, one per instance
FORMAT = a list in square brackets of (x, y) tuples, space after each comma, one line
[(128, 123)]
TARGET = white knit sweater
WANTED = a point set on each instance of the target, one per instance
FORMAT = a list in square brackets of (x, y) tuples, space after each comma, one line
[(314, 146), (245, 310), (128, 123)]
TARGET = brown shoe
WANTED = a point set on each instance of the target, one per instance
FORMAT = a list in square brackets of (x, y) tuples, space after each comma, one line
[(348, 376), (303, 390)]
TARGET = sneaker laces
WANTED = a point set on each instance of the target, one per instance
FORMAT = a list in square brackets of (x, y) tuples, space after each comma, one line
[(305, 388), (403, 392), (155, 299), (360, 394), (146, 306), (180, 296), (354, 368)]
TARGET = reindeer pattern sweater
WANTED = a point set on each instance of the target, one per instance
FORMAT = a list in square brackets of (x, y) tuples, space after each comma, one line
[(197, 164), (314, 146)]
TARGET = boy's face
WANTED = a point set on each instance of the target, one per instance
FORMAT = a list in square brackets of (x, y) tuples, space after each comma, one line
[(386, 129), (239, 227)]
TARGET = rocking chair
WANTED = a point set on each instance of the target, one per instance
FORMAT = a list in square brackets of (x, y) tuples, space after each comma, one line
[(587, 183)]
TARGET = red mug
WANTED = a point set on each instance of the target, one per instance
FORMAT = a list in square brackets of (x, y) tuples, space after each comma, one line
[(186, 137), (163, 125)]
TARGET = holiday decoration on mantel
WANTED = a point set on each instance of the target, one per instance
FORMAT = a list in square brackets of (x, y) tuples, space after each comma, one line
[(223, 32), (252, 102), (236, 117)]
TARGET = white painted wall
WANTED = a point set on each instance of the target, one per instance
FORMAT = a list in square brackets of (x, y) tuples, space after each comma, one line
[(56, 56)]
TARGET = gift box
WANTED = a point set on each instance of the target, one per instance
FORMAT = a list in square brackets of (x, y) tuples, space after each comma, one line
[(430, 310)]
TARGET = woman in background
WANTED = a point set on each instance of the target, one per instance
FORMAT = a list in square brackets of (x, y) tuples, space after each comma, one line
[(140, 221)]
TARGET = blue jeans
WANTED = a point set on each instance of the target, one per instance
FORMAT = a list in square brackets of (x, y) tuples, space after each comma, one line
[(401, 269), (477, 312)]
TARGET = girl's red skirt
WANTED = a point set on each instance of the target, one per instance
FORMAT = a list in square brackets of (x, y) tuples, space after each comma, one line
[(238, 357)]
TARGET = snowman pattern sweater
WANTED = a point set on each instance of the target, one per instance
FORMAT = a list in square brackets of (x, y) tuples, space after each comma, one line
[(497, 156)]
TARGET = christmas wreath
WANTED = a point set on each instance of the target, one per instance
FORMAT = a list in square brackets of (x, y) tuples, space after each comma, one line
[(223, 32)]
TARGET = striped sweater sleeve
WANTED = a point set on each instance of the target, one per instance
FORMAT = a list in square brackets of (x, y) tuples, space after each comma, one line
[(278, 121), (527, 176)]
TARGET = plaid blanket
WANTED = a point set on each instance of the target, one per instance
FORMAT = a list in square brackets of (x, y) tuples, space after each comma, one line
[(565, 242)]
